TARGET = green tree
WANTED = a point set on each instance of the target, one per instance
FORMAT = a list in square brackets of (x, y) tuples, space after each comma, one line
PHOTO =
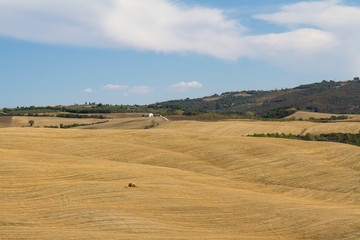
[(31, 123), (249, 114)]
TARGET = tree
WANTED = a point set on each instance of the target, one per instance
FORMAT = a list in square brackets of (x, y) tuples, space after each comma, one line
[(249, 114), (31, 123)]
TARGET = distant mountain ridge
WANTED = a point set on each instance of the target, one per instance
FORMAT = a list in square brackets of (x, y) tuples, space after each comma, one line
[(327, 96)]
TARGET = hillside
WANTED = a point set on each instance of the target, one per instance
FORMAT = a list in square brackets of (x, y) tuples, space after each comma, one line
[(195, 180), (326, 96)]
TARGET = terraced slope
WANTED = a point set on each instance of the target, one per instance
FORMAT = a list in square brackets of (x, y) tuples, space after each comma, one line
[(63, 184)]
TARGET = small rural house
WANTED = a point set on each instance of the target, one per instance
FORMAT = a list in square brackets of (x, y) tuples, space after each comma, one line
[(148, 115)]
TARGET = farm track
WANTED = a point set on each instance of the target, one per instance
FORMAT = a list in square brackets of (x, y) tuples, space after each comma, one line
[(195, 181)]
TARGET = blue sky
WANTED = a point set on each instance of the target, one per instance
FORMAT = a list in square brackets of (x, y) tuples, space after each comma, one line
[(146, 51)]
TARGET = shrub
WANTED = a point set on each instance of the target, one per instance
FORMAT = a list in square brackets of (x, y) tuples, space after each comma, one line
[(31, 123)]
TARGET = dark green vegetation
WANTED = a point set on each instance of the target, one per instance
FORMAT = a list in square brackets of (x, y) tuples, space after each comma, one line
[(326, 97), (347, 138), (75, 125), (31, 123), (69, 115), (332, 118), (75, 110)]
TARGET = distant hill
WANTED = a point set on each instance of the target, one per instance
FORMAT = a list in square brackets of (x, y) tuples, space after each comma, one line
[(326, 96)]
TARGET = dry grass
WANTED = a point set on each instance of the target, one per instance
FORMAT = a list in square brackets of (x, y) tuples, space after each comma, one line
[(73, 184), (5, 121), (122, 121), (127, 123), (249, 127), (307, 115), (50, 121)]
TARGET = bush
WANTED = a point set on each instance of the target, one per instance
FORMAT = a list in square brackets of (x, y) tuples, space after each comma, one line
[(31, 123), (51, 126), (347, 138)]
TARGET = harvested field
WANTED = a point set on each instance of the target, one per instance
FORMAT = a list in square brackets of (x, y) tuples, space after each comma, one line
[(204, 184), (127, 123), (113, 123), (307, 115), (5, 121), (51, 121), (249, 127)]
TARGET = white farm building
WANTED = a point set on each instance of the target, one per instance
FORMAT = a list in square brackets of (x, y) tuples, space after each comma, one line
[(148, 115)]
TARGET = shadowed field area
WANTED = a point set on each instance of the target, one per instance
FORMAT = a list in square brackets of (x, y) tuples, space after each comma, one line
[(194, 181), (5, 121)]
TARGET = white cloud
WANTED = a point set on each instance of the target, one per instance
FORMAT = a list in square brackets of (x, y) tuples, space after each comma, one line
[(89, 90), (115, 87), (185, 86), (165, 26), (141, 89), (317, 34), (327, 35), (328, 15), (155, 25)]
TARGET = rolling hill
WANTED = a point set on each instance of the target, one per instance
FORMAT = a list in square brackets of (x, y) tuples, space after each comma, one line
[(195, 180), (326, 97)]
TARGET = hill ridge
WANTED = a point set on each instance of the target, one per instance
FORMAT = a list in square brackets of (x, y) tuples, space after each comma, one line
[(327, 96)]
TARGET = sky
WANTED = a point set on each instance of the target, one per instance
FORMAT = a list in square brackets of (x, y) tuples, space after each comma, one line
[(64, 52)]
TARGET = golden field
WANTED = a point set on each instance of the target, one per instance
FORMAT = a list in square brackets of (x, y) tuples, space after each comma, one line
[(195, 180), (307, 115), (249, 127), (114, 121)]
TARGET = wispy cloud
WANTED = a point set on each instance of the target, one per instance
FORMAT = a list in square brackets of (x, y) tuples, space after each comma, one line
[(89, 90), (328, 15), (185, 86), (327, 35), (141, 89), (115, 87), (316, 33)]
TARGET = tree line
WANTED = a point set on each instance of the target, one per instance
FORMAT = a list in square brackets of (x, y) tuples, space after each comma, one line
[(348, 138)]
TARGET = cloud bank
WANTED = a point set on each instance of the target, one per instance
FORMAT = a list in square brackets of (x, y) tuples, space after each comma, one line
[(316, 34)]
